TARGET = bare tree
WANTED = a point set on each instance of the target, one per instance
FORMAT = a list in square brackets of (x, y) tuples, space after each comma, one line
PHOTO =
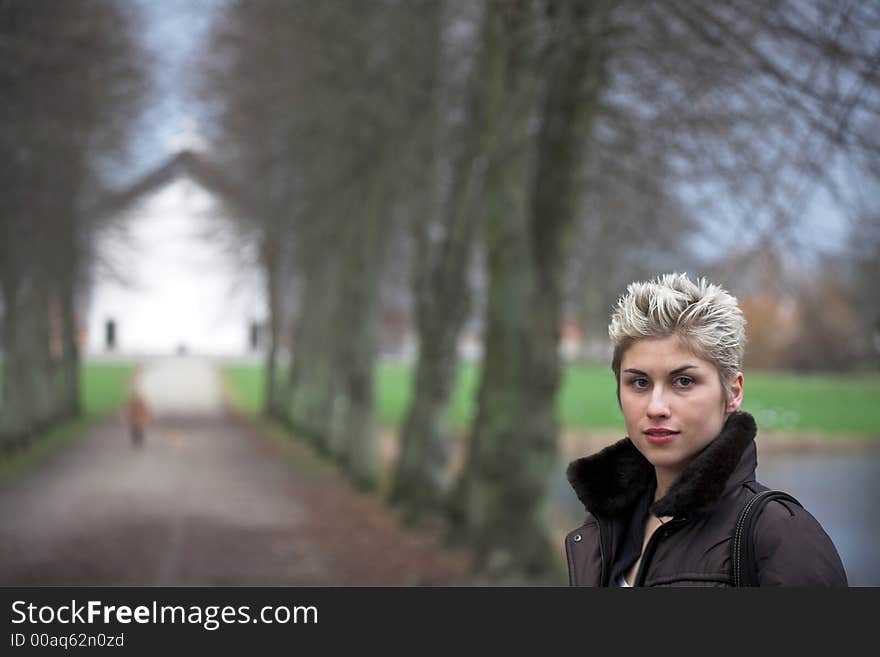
[(532, 201), (456, 136), (332, 133), (73, 78)]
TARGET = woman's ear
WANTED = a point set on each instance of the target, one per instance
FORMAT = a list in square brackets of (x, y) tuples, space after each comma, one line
[(736, 393)]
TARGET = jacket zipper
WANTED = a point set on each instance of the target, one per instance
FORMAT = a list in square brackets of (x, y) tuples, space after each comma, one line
[(651, 548)]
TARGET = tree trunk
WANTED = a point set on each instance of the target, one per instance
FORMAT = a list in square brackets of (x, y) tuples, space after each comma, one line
[(502, 496), (13, 416), (442, 299), (35, 341), (70, 359), (28, 388), (312, 375), (271, 264), (508, 101), (67, 275), (353, 436)]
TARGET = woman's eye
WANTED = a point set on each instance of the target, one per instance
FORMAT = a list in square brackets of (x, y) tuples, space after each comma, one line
[(683, 381), (639, 383)]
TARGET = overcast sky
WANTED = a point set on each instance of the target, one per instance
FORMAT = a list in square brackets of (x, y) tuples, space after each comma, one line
[(174, 31)]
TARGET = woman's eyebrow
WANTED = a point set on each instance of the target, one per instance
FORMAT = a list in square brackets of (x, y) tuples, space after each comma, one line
[(677, 370)]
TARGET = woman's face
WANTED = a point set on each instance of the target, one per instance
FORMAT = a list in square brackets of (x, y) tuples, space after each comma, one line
[(672, 401)]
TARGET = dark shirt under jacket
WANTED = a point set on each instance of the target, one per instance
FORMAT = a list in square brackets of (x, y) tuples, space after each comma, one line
[(631, 545)]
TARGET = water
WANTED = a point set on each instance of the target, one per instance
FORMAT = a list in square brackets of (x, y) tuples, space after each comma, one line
[(840, 490)]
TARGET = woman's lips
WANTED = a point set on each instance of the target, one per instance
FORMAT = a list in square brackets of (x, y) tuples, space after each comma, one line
[(659, 436)]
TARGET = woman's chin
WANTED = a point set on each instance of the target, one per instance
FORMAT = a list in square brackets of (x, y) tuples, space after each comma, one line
[(668, 459)]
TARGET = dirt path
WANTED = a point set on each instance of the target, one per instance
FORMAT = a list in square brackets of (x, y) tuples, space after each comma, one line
[(208, 500)]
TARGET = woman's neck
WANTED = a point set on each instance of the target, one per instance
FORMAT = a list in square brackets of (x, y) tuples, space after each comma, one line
[(665, 478)]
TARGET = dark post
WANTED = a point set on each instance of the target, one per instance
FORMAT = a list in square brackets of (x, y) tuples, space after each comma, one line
[(255, 336), (110, 335)]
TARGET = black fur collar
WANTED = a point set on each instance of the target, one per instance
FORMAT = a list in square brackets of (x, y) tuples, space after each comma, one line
[(611, 481)]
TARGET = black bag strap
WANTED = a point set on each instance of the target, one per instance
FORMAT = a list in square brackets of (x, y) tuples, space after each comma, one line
[(742, 547)]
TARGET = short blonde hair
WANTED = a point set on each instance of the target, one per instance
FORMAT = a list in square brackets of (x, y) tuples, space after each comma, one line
[(705, 316)]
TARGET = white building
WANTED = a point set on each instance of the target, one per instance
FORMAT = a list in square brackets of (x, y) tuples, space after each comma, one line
[(172, 277)]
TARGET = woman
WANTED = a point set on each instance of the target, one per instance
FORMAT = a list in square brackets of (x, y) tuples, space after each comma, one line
[(663, 502)]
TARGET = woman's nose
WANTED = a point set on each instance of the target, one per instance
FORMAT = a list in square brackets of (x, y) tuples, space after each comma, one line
[(658, 405)]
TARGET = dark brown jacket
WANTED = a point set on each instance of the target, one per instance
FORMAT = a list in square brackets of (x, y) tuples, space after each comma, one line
[(693, 549)]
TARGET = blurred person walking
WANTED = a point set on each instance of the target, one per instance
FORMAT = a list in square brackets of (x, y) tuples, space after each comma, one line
[(138, 416)]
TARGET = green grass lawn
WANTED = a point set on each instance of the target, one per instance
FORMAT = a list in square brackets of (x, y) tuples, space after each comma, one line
[(824, 403), (246, 387), (827, 403), (103, 386)]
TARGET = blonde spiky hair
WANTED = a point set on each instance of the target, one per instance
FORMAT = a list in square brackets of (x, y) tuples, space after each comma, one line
[(704, 315)]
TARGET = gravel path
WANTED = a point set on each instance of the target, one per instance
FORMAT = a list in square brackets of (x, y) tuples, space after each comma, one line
[(208, 500)]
